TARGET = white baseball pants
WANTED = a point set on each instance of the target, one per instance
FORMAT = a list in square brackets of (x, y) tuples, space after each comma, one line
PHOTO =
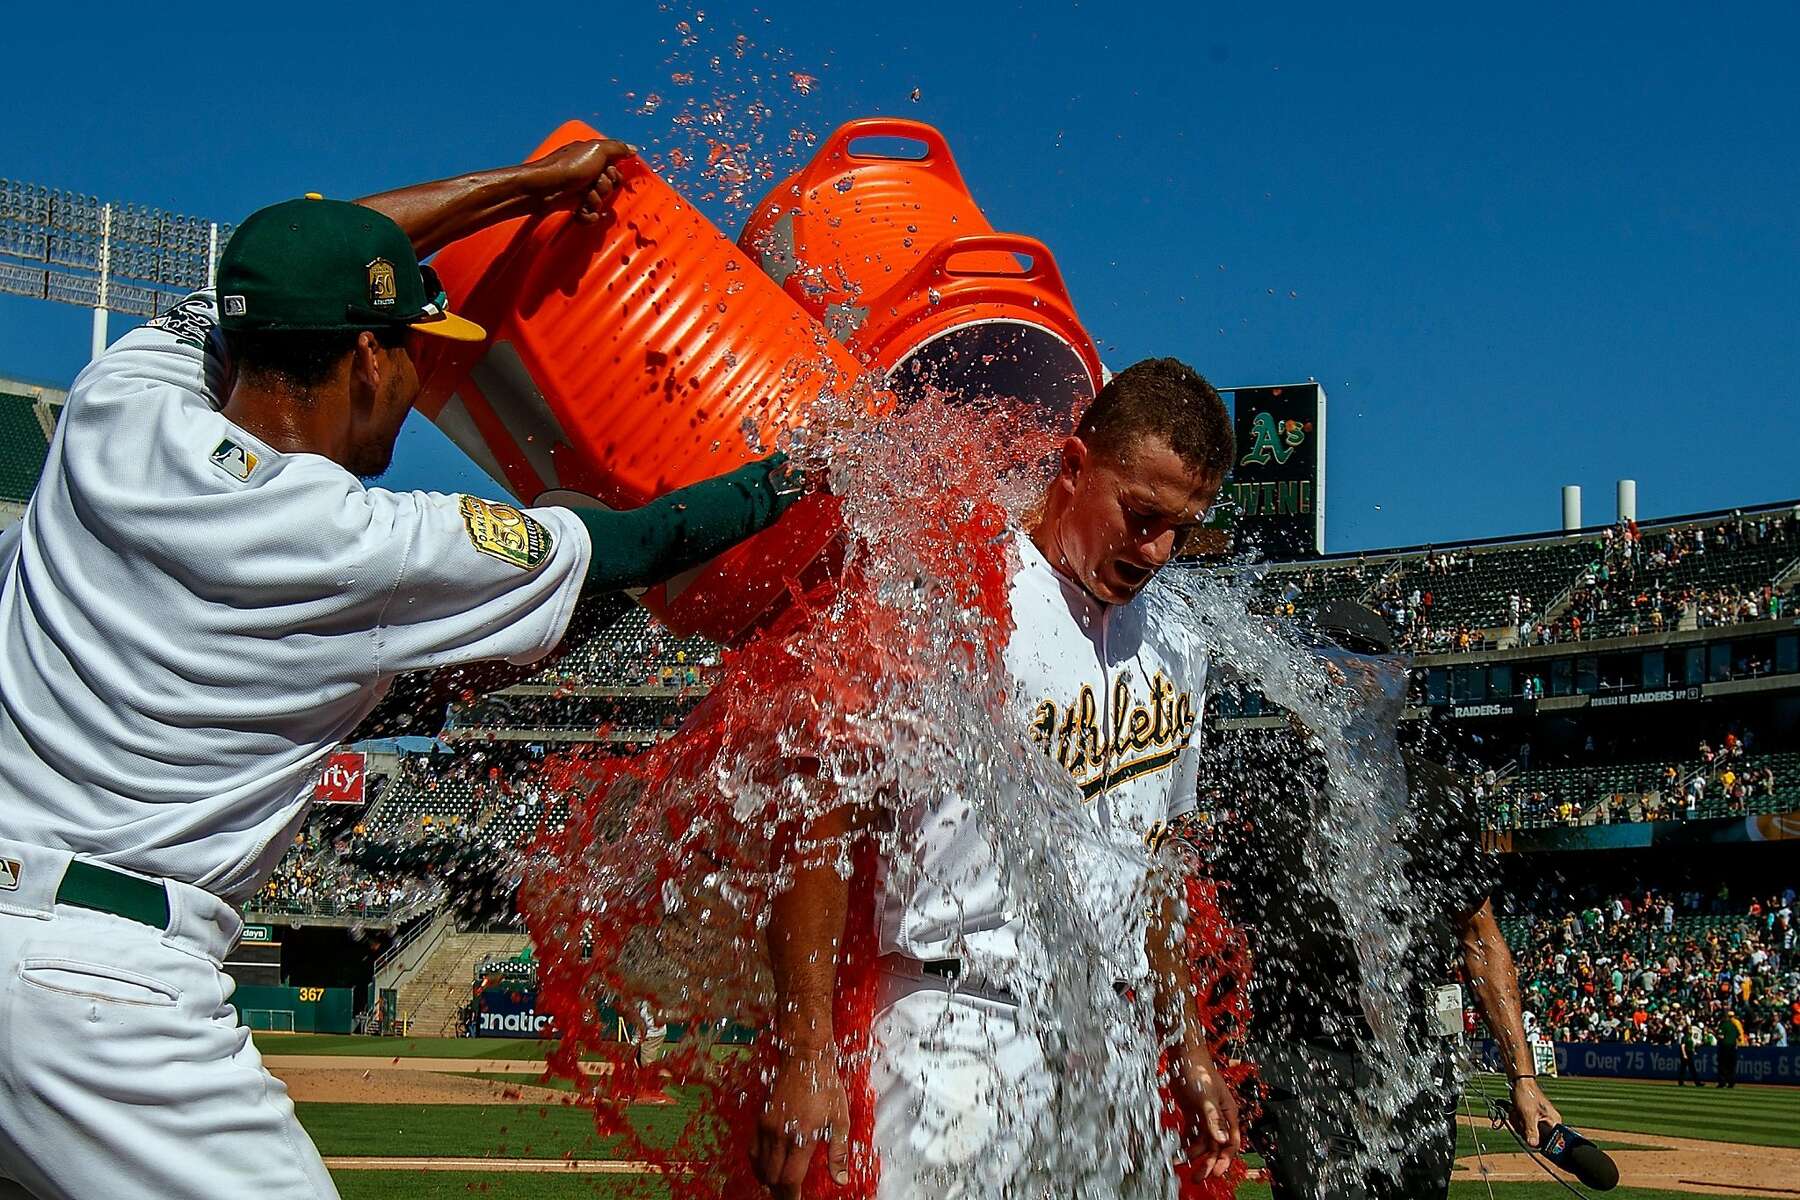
[(960, 1094), (123, 1069)]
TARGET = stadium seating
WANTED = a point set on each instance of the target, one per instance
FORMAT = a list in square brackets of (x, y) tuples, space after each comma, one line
[(1594, 577), (1680, 961), (316, 878), (1536, 799), (1728, 566), (1310, 588), (634, 651), (1478, 592), (23, 447)]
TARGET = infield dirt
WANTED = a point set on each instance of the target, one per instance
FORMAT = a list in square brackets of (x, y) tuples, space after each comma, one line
[(1677, 1164)]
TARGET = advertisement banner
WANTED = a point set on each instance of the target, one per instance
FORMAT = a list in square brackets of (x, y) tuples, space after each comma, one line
[(1645, 1060), (510, 1012), (1706, 831), (342, 780), (1475, 709), (1654, 696), (1278, 483)]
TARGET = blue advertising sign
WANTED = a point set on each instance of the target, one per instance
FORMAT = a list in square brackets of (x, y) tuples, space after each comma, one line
[(510, 1012), (1645, 1060)]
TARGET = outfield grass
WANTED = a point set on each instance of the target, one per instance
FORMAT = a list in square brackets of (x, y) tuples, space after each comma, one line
[(485, 1130), (461, 1185), (1463, 1190), (1752, 1116), (374, 1047), (1749, 1115)]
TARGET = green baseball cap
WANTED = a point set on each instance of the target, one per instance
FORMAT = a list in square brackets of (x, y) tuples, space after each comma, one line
[(318, 264)]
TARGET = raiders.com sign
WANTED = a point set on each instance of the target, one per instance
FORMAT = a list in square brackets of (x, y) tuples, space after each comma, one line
[(1277, 486)]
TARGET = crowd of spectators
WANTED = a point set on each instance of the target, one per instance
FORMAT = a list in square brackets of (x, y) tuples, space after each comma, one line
[(320, 875), (1661, 966), (1627, 589), (1721, 780), (636, 653), (1409, 605)]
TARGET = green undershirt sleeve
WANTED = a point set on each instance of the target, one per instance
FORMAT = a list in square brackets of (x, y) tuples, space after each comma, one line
[(642, 546)]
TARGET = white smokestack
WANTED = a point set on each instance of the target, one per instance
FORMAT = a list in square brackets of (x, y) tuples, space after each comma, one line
[(1571, 506), (1627, 499)]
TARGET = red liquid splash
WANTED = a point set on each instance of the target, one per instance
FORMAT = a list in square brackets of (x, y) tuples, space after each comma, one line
[(656, 891)]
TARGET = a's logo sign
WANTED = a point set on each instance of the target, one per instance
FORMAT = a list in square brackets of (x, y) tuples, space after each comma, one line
[(383, 290), (1273, 441), (10, 870), (234, 459)]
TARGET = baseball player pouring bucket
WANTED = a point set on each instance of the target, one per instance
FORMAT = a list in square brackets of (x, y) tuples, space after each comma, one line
[(201, 601)]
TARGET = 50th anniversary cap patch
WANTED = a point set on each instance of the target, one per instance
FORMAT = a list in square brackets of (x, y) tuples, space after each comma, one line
[(505, 533)]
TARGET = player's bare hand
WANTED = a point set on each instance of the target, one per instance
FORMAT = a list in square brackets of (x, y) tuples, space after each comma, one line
[(1530, 1107), (807, 1106), (584, 174), (1209, 1109)]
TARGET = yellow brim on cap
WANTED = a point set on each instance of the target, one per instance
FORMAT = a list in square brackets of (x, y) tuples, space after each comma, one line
[(457, 329)]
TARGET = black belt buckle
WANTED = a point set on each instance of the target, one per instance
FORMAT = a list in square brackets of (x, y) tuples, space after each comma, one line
[(942, 968)]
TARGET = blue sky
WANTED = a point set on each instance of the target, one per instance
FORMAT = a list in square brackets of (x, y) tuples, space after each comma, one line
[(1520, 250)]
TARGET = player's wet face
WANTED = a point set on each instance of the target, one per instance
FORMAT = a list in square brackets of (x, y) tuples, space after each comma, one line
[(1127, 514)]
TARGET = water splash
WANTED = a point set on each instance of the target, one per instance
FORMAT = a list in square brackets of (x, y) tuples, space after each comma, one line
[(882, 692), (1355, 837), (737, 113)]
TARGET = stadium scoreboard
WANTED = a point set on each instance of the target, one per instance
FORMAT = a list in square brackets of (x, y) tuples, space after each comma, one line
[(1277, 485)]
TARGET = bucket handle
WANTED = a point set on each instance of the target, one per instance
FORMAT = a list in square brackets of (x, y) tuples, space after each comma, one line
[(937, 159), (1042, 271)]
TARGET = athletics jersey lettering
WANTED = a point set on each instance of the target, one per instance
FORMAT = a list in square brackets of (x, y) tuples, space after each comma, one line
[(1110, 694), (1145, 736)]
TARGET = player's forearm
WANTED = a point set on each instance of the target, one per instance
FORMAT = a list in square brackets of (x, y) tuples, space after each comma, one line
[(438, 213), (642, 546), (1172, 977), (1488, 962), (806, 935)]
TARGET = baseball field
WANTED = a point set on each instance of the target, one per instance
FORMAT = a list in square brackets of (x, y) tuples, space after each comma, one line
[(456, 1117)]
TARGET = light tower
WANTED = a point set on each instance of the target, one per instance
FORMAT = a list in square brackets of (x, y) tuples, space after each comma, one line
[(122, 258)]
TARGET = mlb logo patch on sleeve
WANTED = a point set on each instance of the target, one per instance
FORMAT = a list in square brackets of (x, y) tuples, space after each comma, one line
[(505, 533), (10, 870), (233, 459)]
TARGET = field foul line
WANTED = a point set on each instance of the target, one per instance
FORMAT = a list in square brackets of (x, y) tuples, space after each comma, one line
[(579, 1166)]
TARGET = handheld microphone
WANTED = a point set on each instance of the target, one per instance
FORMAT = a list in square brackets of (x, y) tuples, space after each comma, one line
[(1578, 1156)]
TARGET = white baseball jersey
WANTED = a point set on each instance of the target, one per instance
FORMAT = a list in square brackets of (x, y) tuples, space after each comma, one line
[(1116, 704), (190, 619)]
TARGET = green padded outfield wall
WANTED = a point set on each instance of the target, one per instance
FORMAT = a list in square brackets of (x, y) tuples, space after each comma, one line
[(315, 1009)]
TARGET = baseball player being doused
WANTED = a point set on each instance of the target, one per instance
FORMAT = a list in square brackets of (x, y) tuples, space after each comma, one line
[(962, 1081), (202, 599)]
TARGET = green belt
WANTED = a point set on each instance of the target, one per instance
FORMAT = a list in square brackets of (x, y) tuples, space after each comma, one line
[(90, 885)]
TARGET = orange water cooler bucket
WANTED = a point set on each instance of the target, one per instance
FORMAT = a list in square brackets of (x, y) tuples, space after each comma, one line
[(625, 359), (851, 222), (893, 254)]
